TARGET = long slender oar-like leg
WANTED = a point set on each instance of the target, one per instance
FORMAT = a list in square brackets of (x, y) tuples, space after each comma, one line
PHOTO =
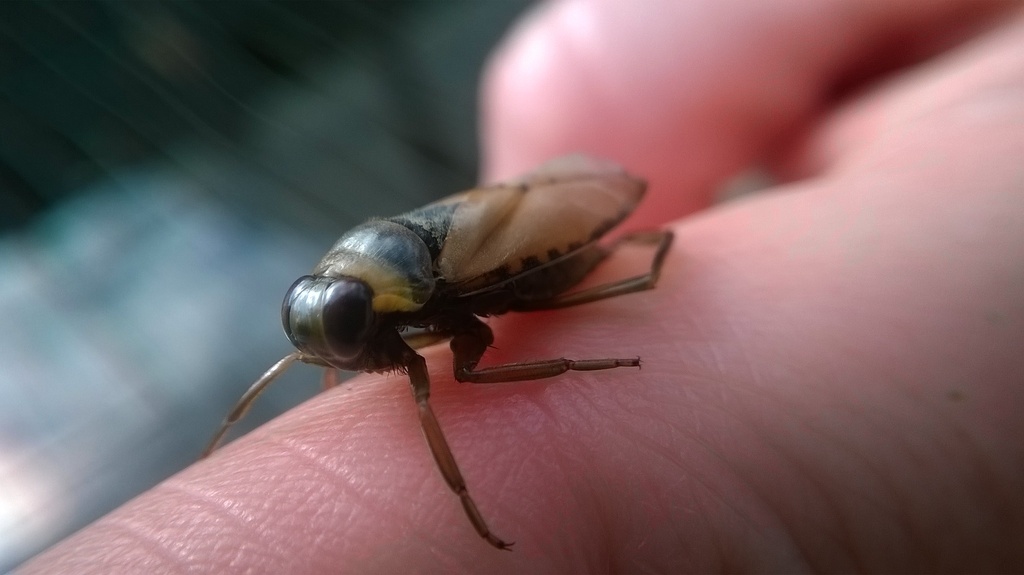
[(470, 344), (662, 239), (245, 402), (420, 380)]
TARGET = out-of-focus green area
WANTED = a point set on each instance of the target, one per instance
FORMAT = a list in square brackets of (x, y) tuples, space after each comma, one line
[(284, 89)]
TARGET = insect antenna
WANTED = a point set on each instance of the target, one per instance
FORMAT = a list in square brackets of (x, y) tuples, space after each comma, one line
[(245, 402)]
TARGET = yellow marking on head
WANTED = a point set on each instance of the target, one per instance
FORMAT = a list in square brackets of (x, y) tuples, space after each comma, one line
[(391, 290), (393, 302)]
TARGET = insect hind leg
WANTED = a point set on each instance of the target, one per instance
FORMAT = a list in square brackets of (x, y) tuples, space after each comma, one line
[(662, 239), (469, 346)]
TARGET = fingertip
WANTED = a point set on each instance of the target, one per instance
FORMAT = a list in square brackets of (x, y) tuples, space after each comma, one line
[(614, 80), (690, 94), (522, 94)]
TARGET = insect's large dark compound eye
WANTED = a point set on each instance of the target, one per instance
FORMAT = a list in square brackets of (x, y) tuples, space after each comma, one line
[(347, 315), (328, 317)]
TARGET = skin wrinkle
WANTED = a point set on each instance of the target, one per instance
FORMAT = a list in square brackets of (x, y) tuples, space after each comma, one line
[(347, 501), (564, 450), (837, 441), (892, 486), (206, 531), (909, 449), (851, 450), (828, 500), (426, 541), (154, 545), (718, 363), (205, 502), (597, 483), (437, 552), (733, 335), (221, 508), (704, 512), (984, 468), (677, 484), (566, 443), (239, 553), (753, 485), (446, 562), (665, 455), (906, 452), (792, 463), (302, 451), (295, 510), (978, 470), (712, 486), (601, 507), (708, 335), (511, 480), (326, 419)]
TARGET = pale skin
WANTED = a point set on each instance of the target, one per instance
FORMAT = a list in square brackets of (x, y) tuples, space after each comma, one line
[(832, 371)]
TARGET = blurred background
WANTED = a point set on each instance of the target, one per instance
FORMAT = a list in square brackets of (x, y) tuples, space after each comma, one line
[(166, 171)]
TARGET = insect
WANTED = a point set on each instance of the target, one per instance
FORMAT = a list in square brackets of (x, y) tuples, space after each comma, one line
[(515, 246)]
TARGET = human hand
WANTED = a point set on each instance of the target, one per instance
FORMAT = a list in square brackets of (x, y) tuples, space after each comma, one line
[(832, 373)]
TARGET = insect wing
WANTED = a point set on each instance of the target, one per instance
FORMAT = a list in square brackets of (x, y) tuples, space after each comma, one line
[(502, 231)]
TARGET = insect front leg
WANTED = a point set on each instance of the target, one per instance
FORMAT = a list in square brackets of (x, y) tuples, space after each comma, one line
[(330, 379), (469, 346), (420, 380), (662, 239)]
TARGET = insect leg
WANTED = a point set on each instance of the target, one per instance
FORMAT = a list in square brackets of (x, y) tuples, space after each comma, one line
[(663, 240), (245, 402), (420, 380), (331, 379), (469, 346)]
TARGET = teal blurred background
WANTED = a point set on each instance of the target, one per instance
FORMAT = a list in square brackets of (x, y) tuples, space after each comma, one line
[(166, 171)]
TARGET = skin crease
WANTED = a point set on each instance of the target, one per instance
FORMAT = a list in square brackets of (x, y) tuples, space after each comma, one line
[(832, 369)]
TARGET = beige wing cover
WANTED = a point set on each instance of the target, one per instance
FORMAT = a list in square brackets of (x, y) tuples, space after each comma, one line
[(500, 231)]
